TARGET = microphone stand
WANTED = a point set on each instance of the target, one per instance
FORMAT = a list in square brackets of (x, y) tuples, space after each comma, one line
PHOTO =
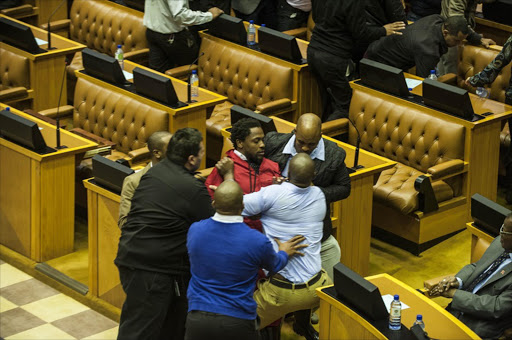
[(189, 86), (49, 27), (57, 119)]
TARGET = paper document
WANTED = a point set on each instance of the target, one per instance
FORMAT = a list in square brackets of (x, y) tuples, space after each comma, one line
[(388, 298), (128, 75), (41, 42), (412, 83)]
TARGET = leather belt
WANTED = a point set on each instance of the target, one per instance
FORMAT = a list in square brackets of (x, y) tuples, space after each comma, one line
[(289, 285)]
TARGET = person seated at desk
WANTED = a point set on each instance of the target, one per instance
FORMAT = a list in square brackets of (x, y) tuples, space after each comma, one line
[(487, 76), (421, 44), (225, 256), (157, 145), (288, 209), (482, 291), (252, 170)]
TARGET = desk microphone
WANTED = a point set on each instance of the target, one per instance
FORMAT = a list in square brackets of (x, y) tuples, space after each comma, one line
[(49, 27), (57, 119), (358, 141), (189, 86)]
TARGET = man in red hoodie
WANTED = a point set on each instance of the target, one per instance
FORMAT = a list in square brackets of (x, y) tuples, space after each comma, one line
[(251, 169)]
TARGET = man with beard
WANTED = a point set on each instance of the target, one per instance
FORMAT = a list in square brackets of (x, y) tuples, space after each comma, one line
[(252, 170), (152, 258)]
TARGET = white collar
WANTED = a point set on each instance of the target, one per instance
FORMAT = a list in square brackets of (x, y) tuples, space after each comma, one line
[(227, 218)]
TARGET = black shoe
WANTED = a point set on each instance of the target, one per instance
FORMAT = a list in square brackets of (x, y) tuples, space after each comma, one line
[(308, 332)]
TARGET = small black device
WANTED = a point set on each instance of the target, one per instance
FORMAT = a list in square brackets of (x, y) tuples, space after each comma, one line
[(487, 215), (23, 132), (383, 77), (109, 174), (448, 98), (280, 45), (103, 67), (359, 294), (156, 87), (229, 28), (238, 112), (19, 36)]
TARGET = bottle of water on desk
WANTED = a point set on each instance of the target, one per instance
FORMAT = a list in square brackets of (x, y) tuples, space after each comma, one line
[(119, 55), (251, 34), (419, 321), (395, 314), (194, 85), (432, 75), (482, 92)]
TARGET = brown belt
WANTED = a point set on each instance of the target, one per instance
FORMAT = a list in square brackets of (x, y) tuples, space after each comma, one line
[(280, 281)]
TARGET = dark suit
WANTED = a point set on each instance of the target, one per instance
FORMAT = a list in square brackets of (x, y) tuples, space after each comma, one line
[(488, 312)]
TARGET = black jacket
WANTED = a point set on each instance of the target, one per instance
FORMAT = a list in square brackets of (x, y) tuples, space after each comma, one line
[(382, 12), (424, 8), (167, 201), (331, 175)]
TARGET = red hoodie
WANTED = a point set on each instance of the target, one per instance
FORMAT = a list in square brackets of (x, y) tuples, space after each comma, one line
[(247, 178)]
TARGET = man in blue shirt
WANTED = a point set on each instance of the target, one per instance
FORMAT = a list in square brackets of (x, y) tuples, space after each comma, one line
[(294, 207), (225, 256)]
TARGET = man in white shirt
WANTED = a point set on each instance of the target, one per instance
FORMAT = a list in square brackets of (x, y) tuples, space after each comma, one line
[(291, 208), (171, 44)]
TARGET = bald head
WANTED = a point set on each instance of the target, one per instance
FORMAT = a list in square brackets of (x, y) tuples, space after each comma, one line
[(308, 133), (228, 199), (302, 170)]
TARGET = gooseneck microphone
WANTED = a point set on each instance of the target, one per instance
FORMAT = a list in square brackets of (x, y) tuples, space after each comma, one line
[(57, 119), (189, 86), (49, 27)]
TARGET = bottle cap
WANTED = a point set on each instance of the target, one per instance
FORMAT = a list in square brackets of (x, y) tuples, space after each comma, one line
[(118, 46), (194, 71), (251, 21), (396, 297), (263, 25), (419, 317), (410, 89), (7, 108), (432, 71)]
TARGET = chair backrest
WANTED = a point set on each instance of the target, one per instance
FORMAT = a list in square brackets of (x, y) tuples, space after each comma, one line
[(14, 70), (116, 117)]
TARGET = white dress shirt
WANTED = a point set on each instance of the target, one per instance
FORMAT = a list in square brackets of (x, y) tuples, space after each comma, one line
[(289, 149), (172, 16)]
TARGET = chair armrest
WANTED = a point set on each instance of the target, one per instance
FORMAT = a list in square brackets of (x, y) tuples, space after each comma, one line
[(445, 169), (300, 32), (14, 11), (13, 93), (137, 55), (335, 127), (449, 78), (57, 25), (275, 105), (100, 140), (426, 198), (139, 155), (181, 72), (64, 111)]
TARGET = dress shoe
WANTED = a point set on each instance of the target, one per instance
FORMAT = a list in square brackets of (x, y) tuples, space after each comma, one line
[(314, 319), (308, 332)]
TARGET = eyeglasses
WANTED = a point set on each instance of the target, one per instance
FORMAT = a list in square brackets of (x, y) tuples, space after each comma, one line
[(503, 232)]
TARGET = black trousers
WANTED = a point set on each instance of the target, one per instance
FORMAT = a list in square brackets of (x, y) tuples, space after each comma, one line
[(211, 326), (289, 17), (265, 13), (171, 50), (152, 309), (330, 73)]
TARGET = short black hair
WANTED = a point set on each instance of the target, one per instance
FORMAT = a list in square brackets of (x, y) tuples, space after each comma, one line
[(184, 143), (156, 140), (456, 24), (241, 129)]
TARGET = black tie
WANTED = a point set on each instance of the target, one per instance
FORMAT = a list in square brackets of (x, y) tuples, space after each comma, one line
[(492, 268)]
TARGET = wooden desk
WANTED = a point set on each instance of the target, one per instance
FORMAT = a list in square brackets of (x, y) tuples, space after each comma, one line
[(482, 138), (194, 115), (37, 194), (351, 217), (305, 95), (338, 321), (46, 69), (103, 213)]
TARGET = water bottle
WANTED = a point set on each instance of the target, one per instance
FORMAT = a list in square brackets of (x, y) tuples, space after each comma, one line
[(119, 55), (419, 321), (194, 85), (482, 92), (432, 75), (251, 34), (395, 314)]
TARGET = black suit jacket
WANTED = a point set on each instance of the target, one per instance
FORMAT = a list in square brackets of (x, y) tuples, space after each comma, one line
[(331, 175)]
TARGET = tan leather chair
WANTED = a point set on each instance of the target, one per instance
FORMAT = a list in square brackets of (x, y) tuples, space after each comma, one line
[(14, 77)]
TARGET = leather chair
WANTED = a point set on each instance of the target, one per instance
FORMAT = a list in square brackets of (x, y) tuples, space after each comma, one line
[(14, 77)]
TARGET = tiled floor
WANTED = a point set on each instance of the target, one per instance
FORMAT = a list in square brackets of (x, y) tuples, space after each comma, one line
[(29, 309)]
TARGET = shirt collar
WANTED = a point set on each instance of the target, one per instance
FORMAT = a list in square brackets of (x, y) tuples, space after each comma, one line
[(318, 153), (227, 218), (241, 155)]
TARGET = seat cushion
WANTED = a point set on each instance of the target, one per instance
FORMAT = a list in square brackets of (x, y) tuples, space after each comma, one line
[(395, 188), (220, 118)]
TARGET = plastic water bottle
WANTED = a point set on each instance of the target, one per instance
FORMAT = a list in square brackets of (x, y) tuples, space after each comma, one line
[(395, 314), (419, 321), (432, 75), (482, 92), (194, 85), (251, 34), (119, 55)]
